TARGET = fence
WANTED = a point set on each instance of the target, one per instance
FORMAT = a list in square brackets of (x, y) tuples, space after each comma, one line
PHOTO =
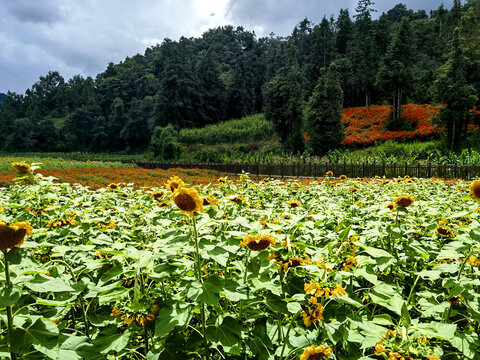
[(447, 171)]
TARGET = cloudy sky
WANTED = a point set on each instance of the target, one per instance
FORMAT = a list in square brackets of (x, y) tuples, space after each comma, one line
[(83, 36)]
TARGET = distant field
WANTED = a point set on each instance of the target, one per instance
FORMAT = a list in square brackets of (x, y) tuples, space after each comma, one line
[(63, 161), (101, 177)]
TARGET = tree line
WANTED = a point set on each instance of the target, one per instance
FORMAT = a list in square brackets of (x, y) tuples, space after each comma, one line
[(355, 59)]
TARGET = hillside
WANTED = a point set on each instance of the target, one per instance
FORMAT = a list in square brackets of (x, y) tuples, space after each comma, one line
[(2, 96)]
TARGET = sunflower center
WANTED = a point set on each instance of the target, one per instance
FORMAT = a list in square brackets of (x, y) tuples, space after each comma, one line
[(185, 202)]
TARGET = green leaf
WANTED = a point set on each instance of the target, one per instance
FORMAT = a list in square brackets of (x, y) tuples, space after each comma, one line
[(233, 291), (467, 343), (208, 292), (220, 255), (438, 330), (226, 334), (405, 319), (109, 339), (69, 347), (42, 283), (173, 315), (113, 272), (9, 296), (276, 303), (385, 295)]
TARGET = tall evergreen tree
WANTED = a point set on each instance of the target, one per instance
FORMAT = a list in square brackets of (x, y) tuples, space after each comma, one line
[(283, 101), (395, 72), (344, 27), (453, 88), (322, 114)]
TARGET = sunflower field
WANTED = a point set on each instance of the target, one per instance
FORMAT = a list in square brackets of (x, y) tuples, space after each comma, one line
[(326, 268)]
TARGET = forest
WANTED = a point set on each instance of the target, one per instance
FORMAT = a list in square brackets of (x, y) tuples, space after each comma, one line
[(357, 58)]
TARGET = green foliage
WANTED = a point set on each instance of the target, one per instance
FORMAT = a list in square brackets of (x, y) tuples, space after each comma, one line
[(395, 72), (65, 161), (455, 82), (384, 279), (165, 143), (247, 129), (399, 124), (283, 102), (323, 113)]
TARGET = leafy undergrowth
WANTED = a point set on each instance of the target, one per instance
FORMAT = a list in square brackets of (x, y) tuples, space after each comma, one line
[(114, 273)]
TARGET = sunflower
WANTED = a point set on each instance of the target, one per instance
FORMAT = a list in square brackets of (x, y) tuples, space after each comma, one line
[(343, 177), (237, 199), (174, 183), (210, 201), (157, 195), (141, 317), (391, 206), (380, 348), (329, 173), (294, 204), (21, 167), (475, 189), (316, 352), (187, 200), (13, 235), (403, 201), (258, 242), (112, 186), (445, 231), (314, 314)]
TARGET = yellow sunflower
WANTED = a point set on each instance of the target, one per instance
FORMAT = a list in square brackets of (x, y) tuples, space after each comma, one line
[(380, 348), (112, 186), (329, 173), (174, 183), (314, 314), (390, 206), (316, 352), (403, 201), (13, 235), (188, 200), (157, 195), (445, 231), (343, 177), (208, 200), (21, 167), (475, 189), (258, 242), (294, 204)]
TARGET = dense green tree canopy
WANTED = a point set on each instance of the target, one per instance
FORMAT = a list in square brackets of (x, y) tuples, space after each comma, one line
[(228, 73)]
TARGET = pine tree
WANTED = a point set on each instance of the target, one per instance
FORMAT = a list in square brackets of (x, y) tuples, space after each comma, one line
[(395, 72), (323, 113), (452, 89)]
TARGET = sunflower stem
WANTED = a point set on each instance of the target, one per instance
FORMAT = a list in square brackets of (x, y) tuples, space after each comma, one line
[(145, 332), (82, 302), (199, 278), (9, 308)]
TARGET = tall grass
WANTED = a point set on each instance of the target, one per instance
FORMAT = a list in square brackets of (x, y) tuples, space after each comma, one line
[(58, 161), (247, 129)]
